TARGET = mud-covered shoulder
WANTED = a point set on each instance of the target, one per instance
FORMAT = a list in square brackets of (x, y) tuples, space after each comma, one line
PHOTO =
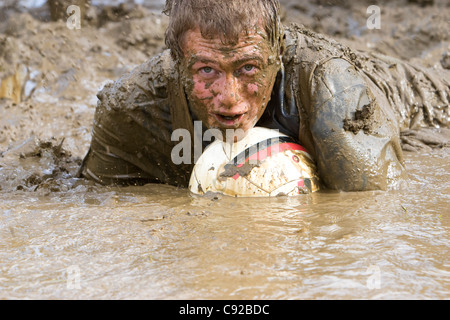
[(306, 46), (305, 50), (419, 96), (145, 85)]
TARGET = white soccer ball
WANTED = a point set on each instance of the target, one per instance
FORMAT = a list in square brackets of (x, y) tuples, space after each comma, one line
[(264, 163)]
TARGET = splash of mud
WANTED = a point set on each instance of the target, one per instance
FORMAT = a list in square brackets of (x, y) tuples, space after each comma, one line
[(361, 121)]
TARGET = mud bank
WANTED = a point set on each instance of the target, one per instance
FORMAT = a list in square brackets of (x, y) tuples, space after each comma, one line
[(50, 77)]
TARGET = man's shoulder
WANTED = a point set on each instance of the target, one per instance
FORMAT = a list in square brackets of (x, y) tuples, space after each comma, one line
[(306, 45), (306, 50), (145, 83), (153, 75)]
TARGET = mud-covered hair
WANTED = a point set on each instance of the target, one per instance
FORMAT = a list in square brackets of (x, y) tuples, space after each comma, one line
[(224, 19)]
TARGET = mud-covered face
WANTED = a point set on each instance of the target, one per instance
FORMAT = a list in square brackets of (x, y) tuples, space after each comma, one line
[(229, 86)]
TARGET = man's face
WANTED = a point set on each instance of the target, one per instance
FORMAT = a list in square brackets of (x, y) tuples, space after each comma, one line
[(229, 86)]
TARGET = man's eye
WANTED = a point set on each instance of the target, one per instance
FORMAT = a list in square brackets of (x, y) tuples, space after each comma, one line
[(206, 70), (248, 68)]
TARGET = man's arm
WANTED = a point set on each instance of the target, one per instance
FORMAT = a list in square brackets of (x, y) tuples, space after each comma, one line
[(131, 137), (345, 120), (354, 129)]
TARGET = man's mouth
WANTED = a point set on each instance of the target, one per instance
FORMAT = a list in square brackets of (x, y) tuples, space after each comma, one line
[(229, 119)]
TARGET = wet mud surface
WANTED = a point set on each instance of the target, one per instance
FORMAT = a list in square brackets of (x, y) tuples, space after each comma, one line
[(158, 242), (64, 237)]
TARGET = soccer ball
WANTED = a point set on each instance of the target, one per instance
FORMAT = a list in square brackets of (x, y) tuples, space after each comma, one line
[(264, 163)]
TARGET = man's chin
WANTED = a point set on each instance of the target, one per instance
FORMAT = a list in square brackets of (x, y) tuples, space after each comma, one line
[(235, 135), (231, 135)]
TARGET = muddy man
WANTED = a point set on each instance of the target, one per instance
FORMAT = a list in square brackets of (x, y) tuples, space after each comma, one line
[(233, 65)]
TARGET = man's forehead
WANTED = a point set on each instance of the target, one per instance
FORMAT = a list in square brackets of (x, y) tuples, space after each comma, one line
[(253, 41)]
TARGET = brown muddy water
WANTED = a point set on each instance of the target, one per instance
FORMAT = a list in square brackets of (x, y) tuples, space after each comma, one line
[(65, 238), (159, 242)]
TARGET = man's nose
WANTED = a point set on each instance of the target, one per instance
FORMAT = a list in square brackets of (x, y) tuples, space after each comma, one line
[(229, 95)]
